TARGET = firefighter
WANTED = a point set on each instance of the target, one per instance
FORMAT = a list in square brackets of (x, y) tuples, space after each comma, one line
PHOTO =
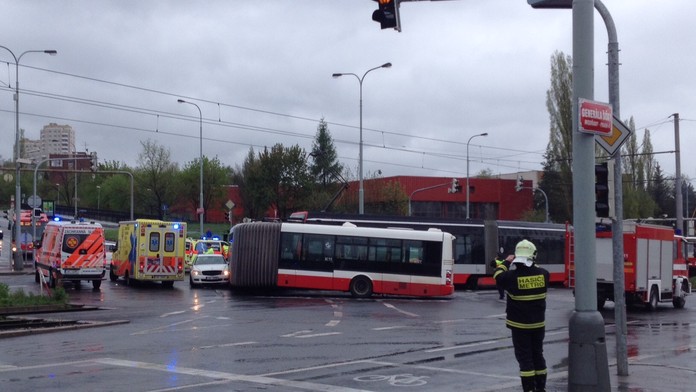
[(526, 285)]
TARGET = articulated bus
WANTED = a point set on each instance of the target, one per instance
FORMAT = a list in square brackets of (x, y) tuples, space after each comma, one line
[(359, 260), (476, 241)]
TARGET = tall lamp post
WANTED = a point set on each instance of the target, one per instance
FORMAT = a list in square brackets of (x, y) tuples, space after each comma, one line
[(361, 190), (200, 210), (467, 170), (18, 263)]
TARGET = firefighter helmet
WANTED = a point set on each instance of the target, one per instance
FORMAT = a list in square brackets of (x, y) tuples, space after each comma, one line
[(525, 253)]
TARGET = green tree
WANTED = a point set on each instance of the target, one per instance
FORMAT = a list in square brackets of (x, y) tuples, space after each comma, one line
[(557, 179), (662, 193), (278, 178), (155, 177), (325, 163), (215, 177)]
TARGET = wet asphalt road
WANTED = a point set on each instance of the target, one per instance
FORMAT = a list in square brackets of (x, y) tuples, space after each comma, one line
[(210, 339)]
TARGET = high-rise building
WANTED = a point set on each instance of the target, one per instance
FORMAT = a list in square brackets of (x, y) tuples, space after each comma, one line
[(54, 139)]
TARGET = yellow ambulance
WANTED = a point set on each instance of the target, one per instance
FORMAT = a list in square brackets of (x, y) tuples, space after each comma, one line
[(149, 250)]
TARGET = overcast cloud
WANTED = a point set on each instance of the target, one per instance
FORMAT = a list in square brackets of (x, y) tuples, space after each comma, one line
[(261, 73)]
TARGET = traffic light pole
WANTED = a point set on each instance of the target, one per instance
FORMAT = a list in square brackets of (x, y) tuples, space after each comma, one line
[(588, 367)]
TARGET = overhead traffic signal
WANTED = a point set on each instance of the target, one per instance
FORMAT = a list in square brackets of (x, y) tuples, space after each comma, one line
[(387, 14), (93, 162), (602, 190), (518, 184)]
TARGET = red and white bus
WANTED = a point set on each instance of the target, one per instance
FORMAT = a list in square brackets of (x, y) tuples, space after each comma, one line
[(476, 241), (359, 260)]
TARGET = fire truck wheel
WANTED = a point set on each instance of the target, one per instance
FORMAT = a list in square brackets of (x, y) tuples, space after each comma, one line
[(77, 284), (678, 302), (51, 280), (37, 278), (652, 302), (361, 287), (96, 284), (168, 284)]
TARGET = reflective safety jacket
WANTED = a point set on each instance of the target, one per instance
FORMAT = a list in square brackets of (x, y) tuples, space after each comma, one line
[(526, 294)]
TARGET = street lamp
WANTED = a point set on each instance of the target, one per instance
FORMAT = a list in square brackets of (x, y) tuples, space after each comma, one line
[(200, 210), (361, 191), (467, 171), (19, 264)]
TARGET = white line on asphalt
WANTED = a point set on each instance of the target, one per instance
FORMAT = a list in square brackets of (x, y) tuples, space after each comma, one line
[(390, 306), (173, 313), (485, 342), (314, 335), (293, 334), (332, 323), (389, 328), (310, 386), (159, 329), (443, 370), (227, 345)]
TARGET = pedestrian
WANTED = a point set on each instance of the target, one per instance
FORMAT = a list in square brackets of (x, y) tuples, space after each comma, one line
[(526, 285)]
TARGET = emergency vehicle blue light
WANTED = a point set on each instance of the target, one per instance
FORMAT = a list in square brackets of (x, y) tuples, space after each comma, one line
[(176, 226), (56, 219), (216, 238)]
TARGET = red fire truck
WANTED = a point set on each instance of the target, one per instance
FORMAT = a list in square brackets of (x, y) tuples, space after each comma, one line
[(655, 268)]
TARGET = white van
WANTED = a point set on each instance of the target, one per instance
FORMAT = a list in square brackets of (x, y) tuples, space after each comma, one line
[(71, 251)]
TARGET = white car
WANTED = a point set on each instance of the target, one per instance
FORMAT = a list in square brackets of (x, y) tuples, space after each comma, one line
[(208, 269)]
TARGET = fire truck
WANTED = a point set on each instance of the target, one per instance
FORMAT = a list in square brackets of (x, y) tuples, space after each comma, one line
[(655, 268), (149, 250), (27, 228)]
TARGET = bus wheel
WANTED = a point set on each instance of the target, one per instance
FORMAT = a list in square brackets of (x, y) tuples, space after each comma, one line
[(96, 284), (652, 302), (361, 287)]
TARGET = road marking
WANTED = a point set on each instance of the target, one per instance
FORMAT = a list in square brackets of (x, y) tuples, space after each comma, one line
[(315, 335), (160, 329), (227, 345), (390, 306), (310, 386), (389, 328), (332, 323), (173, 313), (483, 343), (444, 370)]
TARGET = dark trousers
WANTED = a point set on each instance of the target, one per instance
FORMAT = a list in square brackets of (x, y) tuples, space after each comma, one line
[(529, 352)]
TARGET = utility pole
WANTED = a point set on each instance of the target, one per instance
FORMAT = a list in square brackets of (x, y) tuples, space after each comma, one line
[(677, 181)]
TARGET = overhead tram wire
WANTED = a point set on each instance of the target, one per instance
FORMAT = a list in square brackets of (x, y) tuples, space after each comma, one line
[(124, 85)]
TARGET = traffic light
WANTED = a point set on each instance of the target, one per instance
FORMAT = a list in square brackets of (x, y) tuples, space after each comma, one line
[(387, 14), (602, 190), (518, 184), (93, 162), (455, 187), (228, 216)]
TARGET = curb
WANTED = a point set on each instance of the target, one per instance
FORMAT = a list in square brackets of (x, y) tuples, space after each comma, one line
[(80, 325)]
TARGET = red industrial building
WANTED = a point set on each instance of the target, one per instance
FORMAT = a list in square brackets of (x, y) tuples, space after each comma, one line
[(489, 198)]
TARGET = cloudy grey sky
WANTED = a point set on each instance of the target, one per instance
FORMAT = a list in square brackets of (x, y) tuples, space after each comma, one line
[(261, 73)]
